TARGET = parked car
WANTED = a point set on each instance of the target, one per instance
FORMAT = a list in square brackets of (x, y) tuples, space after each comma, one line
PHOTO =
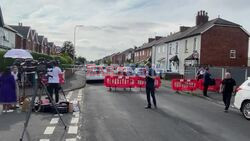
[(95, 73), (242, 99), (140, 71), (128, 71)]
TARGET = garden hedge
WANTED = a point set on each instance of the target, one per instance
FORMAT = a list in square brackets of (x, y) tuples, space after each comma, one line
[(64, 59)]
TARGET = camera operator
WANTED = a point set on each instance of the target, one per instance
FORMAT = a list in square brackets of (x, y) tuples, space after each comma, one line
[(53, 80)]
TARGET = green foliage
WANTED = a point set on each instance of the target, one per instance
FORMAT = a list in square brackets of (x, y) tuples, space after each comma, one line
[(81, 60), (4, 62), (64, 59), (68, 48)]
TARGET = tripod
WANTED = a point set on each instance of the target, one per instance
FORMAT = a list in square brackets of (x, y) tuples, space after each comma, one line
[(34, 79)]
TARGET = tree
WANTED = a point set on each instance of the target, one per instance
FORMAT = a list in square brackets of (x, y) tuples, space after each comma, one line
[(81, 60), (68, 48)]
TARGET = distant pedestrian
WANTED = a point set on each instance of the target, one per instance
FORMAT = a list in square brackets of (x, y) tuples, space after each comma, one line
[(227, 88), (207, 79), (200, 73), (16, 74), (150, 87), (7, 90)]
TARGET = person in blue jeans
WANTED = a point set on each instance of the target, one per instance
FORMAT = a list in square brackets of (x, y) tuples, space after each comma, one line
[(150, 87)]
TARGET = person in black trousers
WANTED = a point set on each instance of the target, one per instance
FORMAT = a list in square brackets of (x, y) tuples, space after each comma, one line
[(53, 81), (207, 80), (150, 87), (228, 86)]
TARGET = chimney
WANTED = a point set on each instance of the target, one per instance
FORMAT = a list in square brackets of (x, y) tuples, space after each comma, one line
[(183, 28), (150, 40), (157, 37), (20, 24), (201, 17)]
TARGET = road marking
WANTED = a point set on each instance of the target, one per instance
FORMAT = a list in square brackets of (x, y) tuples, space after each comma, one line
[(49, 130), (72, 130), (54, 120), (56, 115), (80, 92), (73, 139), (76, 114), (44, 140), (74, 120), (69, 95)]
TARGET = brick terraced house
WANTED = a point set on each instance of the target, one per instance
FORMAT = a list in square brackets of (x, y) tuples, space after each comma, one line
[(217, 42)]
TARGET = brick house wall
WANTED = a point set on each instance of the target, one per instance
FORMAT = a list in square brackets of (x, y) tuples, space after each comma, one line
[(142, 54), (19, 42), (217, 42)]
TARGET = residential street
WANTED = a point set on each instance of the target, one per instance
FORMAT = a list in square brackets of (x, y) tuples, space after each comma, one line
[(120, 116)]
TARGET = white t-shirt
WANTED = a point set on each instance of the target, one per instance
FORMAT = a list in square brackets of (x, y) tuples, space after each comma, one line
[(54, 75)]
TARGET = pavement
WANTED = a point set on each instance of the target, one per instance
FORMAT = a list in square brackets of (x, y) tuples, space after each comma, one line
[(46, 126), (74, 82)]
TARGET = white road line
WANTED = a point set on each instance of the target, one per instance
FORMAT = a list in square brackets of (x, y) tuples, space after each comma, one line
[(54, 120), (44, 140), (72, 130), (56, 115), (76, 114), (74, 120), (73, 139), (80, 92), (69, 95), (49, 130)]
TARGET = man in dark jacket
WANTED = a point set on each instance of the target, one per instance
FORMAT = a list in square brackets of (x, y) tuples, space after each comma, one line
[(150, 87), (227, 88), (207, 80)]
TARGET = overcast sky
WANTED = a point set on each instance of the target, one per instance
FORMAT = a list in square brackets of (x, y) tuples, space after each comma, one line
[(115, 25)]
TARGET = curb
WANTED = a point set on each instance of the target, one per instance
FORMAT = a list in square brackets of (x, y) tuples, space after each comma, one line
[(77, 88)]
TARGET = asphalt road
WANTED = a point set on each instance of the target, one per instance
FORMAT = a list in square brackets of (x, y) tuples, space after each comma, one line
[(120, 116)]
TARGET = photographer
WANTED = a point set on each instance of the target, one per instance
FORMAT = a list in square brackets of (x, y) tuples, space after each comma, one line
[(53, 80)]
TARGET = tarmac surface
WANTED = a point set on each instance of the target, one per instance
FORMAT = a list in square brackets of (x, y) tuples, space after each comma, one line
[(120, 116)]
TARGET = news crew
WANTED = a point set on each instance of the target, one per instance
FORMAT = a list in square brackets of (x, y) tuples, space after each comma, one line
[(53, 81)]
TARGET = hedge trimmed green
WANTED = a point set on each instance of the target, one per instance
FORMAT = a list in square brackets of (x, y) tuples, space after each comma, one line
[(64, 59)]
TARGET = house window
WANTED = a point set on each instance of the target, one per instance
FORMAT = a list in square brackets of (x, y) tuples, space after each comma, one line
[(159, 50), (176, 48), (143, 52), (232, 54), (186, 48), (170, 49), (194, 44)]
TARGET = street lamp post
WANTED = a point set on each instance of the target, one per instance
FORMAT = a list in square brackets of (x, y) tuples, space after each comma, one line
[(75, 40)]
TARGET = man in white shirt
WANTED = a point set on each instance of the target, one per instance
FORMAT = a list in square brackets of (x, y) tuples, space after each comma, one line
[(53, 81)]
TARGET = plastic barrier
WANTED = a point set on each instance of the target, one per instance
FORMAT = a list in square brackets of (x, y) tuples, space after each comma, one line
[(114, 81), (184, 85), (214, 88)]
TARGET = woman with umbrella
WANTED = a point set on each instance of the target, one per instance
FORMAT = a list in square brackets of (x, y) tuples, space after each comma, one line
[(7, 90)]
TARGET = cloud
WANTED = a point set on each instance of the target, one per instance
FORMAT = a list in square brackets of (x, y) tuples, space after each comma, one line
[(115, 25)]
